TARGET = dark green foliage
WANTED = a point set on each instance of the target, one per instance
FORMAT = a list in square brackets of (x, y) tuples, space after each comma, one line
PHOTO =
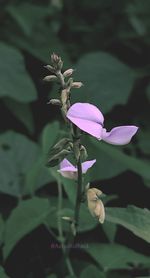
[(107, 42)]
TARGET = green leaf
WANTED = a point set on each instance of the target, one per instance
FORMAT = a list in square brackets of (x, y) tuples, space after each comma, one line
[(107, 81), (135, 219), (27, 216), (14, 79), (18, 156), (22, 111), (144, 141), (86, 221), (25, 20), (49, 135), (2, 273), (125, 161), (115, 256), (110, 230), (106, 166), (92, 271)]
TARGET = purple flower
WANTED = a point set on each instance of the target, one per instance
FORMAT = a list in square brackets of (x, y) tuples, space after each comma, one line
[(90, 119), (70, 171)]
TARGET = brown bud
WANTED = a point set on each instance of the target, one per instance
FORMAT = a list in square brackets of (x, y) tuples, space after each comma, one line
[(95, 205), (49, 78), (83, 152), (68, 72), (77, 85)]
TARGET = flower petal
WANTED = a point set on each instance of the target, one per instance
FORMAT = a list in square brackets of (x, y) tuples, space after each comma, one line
[(65, 163), (90, 127), (87, 164), (86, 111), (67, 170), (120, 135)]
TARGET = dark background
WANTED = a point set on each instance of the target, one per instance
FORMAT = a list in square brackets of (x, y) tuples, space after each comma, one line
[(29, 32)]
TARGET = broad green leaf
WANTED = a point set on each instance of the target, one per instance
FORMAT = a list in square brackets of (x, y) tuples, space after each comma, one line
[(107, 81), (86, 221), (18, 156), (135, 219), (27, 216), (22, 111), (49, 135), (2, 273), (144, 141), (117, 157), (110, 230), (92, 271), (106, 166), (26, 20), (115, 256), (14, 79)]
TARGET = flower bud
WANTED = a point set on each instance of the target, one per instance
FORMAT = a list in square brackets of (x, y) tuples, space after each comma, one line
[(83, 153), (77, 85), (49, 78), (95, 205), (54, 102), (56, 61), (50, 68), (68, 72)]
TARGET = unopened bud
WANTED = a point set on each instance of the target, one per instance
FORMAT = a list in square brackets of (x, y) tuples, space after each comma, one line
[(50, 68), (95, 205), (54, 102), (83, 153), (68, 72), (49, 78), (56, 61), (77, 85)]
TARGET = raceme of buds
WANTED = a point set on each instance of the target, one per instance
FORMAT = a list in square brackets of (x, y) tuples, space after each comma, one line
[(89, 118), (68, 73), (95, 205), (77, 85), (70, 171)]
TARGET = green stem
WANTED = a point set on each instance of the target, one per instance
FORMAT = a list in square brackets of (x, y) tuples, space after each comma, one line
[(60, 230), (79, 192)]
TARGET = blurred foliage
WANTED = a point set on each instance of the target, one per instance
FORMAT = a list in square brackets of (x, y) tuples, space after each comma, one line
[(108, 43)]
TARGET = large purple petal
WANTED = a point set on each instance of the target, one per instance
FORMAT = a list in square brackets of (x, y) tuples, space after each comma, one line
[(86, 111), (120, 135), (90, 127), (87, 164)]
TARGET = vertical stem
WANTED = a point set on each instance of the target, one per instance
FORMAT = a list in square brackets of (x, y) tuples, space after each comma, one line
[(79, 191), (60, 230)]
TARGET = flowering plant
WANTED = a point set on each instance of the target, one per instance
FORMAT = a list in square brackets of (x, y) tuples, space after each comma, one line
[(80, 118)]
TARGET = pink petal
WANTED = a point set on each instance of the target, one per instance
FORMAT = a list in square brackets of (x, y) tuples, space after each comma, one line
[(67, 170), (69, 174), (90, 127), (120, 135), (65, 163), (86, 111), (87, 164)]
